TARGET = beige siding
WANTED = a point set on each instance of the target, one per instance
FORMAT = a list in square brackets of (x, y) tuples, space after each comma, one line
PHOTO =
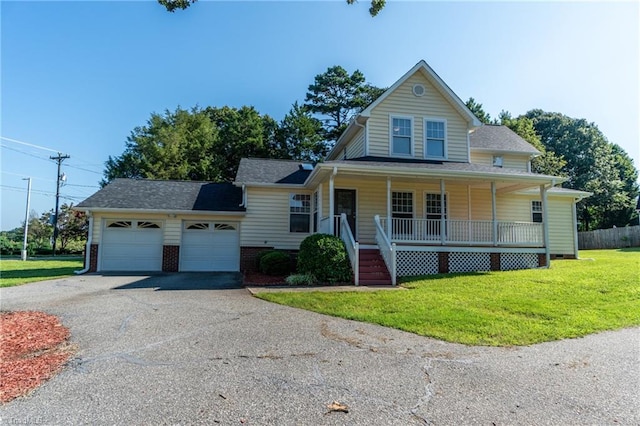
[(519, 162), (172, 226), (267, 220), (432, 105), (561, 229), (355, 148)]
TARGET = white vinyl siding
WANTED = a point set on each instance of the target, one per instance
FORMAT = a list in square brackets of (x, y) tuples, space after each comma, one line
[(402, 102)]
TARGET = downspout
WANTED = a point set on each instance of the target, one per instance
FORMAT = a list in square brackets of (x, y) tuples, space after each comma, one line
[(364, 148), (87, 251), (244, 196)]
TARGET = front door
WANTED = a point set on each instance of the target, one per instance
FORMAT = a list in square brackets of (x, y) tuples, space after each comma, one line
[(345, 202)]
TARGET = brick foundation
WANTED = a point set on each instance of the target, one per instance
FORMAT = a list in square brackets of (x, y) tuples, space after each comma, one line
[(542, 260), (93, 258), (443, 263), (495, 261), (248, 262), (170, 258)]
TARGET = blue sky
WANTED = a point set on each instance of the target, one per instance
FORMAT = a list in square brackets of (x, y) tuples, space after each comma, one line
[(78, 77)]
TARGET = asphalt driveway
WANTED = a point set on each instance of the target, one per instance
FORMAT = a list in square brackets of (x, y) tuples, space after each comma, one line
[(196, 349)]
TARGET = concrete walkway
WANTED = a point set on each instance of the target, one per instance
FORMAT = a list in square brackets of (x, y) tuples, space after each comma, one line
[(336, 288)]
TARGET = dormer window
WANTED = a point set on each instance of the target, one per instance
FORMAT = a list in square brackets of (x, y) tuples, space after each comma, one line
[(498, 161), (401, 136), (435, 138)]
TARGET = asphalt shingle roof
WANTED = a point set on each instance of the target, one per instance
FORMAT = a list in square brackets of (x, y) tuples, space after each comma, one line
[(499, 138), (166, 195), (435, 165), (262, 170)]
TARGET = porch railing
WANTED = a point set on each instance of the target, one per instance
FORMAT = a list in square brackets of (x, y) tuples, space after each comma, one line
[(387, 248), (463, 232), (324, 225), (353, 248)]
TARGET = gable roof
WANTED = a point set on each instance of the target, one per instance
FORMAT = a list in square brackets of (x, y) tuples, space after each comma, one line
[(490, 137), (165, 195), (269, 171), (433, 78)]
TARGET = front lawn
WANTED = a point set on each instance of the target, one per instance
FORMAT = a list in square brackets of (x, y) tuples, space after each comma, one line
[(16, 272), (573, 298)]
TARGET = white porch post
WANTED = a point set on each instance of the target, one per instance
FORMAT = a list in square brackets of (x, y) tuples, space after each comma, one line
[(443, 212), (494, 216), (575, 229), (331, 204), (389, 208), (545, 223), (319, 206)]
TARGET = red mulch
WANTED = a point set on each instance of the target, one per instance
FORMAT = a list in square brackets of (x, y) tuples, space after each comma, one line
[(33, 348), (257, 279)]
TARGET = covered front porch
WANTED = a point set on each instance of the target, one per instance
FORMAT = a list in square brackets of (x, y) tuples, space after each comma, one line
[(451, 223)]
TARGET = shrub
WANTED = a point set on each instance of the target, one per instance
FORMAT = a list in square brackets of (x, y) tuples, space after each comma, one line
[(275, 263), (325, 257), (301, 279), (262, 254)]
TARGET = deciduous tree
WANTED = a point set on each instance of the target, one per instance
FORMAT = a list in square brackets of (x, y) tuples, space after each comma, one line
[(173, 5)]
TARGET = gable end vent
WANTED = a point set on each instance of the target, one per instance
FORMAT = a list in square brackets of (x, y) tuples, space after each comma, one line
[(418, 89)]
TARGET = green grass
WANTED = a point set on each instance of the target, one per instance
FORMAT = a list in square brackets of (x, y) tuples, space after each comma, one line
[(16, 272), (573, 298)]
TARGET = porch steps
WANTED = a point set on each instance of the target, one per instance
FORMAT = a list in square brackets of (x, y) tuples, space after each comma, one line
[(373, 270)]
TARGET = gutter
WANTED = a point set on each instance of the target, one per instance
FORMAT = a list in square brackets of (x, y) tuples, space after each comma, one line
[(160, 212), (87, 251)]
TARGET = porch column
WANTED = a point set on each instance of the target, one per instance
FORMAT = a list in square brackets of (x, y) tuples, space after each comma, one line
[(545, 223), (389, 208), (494, 216), (443, 222), (319, 206), (331, 201)]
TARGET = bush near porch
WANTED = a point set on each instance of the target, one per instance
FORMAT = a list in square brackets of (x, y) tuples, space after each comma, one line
[(571, 299)]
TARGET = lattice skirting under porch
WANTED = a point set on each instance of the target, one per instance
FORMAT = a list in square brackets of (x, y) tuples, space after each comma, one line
[(411, 263)]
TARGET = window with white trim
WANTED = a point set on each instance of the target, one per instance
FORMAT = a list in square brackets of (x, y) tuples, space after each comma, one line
[(434, 208), (401, 136), (119, 224), (435, 138), (299, 213), (536, 211), (402, 209), (498, 161)]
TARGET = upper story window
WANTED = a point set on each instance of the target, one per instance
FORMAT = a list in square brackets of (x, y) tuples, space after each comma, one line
[(498, 161), (401, 136), (435, 138), (536, 211), (299, 213)]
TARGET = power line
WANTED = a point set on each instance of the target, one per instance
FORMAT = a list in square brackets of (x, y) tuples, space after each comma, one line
[(83, 186), (29, 144), (23, 175), (86, 170), (24, 152)]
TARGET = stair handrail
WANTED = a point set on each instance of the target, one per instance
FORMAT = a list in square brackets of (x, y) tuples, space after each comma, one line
[(353, 247), (387, 249)]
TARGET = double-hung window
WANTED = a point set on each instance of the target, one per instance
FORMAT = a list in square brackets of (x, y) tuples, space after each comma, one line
[(536, 211), (435, 209), (402, 212), (299, 213), (401, 136), (435, 138)]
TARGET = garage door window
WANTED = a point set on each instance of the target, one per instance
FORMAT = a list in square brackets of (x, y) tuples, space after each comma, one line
[(198, 225), (224, 227), (149, 225), (119, 224)]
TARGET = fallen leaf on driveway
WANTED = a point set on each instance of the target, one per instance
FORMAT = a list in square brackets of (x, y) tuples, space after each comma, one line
[(336, 406)]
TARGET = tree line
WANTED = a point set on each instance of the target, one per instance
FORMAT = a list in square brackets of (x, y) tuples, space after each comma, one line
[(72, 225), (208, 143)]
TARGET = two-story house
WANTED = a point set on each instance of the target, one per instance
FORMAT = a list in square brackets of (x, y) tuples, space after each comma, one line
[(415, 181)]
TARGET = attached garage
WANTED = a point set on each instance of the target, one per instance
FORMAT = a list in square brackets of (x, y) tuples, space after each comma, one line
[(210, 246), (131, 245)]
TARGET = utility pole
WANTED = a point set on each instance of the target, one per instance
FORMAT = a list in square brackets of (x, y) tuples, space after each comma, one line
[(59, 159), (23, 254)]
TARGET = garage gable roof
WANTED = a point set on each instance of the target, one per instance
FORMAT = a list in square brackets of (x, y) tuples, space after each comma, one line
[(165, 195), (271, 171), (492, 137)]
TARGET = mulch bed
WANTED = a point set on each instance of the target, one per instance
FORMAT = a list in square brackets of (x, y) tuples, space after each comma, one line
[(33, 348), (256, 279)]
